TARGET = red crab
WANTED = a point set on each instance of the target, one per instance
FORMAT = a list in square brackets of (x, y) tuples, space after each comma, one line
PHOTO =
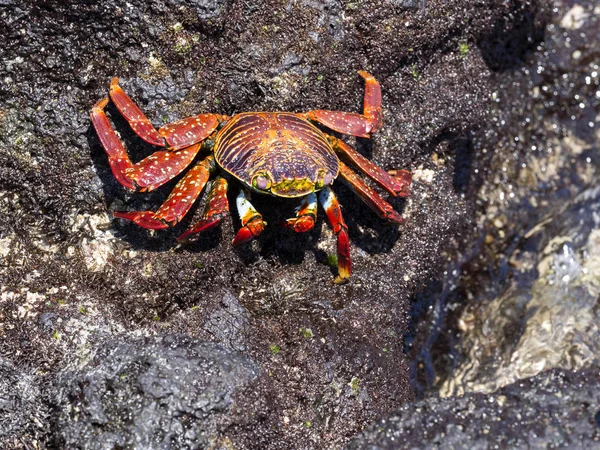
[(278, 153)]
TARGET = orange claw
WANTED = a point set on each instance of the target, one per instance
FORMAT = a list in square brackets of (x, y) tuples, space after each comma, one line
[(249, 231), (301, 224), (252, 223), (306, 215)]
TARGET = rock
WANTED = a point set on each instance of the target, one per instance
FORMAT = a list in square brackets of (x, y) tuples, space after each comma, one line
[(158, 393), (552, 409), (550, 308), (22, 411)]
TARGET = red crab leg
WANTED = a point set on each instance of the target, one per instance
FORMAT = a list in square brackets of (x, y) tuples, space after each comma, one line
[(252, 223), (147, 174), (216, 208), (334, 215), (161, 167), (306, 214), (133, 114), (397, 186), (369, 196), (188, 131), (179, 201), (176, 135), (361, 125), (117, 156)]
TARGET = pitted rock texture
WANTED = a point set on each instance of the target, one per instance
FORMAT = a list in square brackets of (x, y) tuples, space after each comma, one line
[(154, 394), (556, 409)]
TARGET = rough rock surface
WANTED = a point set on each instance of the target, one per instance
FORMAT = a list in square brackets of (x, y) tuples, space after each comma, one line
[(154, 393), (507, 306), (557, 409)]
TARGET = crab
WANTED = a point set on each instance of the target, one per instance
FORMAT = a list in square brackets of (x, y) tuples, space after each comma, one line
[(283, 154)]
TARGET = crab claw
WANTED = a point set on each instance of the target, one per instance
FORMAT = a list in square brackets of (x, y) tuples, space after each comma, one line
[(249, 231), (301, 224)]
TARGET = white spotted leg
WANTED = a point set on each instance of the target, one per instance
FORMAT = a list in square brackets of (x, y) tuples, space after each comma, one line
[(179, 201), (181, 141), (217, 207)]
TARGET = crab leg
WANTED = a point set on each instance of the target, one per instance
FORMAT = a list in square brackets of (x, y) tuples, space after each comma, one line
[(176, 135), (161, 167), (395, 185), (334, 215), (368, 195), (252, 223), (179, 201), (216, 209), (117, 156), (306, 214), (148, 174), (361, 125)]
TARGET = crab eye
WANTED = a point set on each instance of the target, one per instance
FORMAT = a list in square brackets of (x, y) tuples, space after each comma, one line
[(262, 182), (323, 179)]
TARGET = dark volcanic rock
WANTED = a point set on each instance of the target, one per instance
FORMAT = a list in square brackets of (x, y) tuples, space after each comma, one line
[(555, 409), (22, 411), (155, 393)]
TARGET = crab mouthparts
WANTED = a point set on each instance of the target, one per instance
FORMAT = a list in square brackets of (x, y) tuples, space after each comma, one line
[(293, 187)]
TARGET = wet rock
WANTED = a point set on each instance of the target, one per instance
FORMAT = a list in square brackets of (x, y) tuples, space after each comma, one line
[(507, 305), (203, 9), (155, 393), (548, 316), (555, 409)]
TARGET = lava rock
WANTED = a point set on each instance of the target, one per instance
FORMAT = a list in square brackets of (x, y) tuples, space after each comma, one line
[(555, 409), (156, 393)]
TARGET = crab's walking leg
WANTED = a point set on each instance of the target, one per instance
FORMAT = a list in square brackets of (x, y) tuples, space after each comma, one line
[(179, 201), (134, 115), (216, 208), (149, 173), (334, 215), (161, 167), (361, 125), (395, 185), (252, 223), (306, 214), (369, 196), (176, 135), (117, 156)]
